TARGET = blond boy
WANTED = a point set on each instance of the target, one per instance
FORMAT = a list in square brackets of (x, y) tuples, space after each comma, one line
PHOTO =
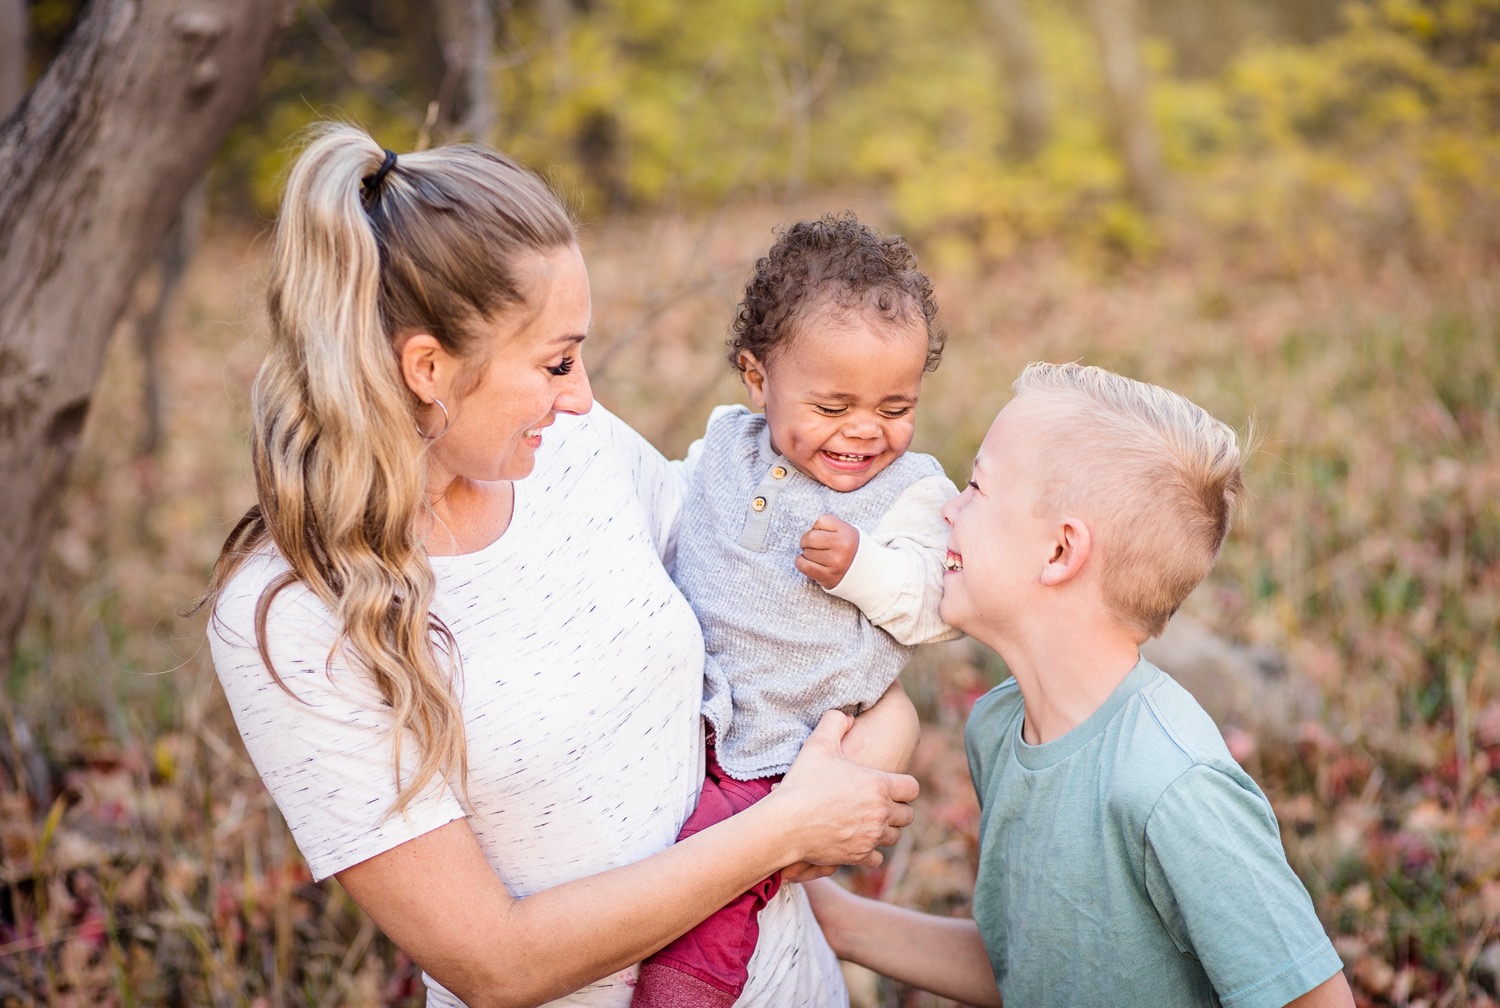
[(1125, 858)]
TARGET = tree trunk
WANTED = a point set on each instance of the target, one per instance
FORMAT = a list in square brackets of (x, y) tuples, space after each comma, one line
[(1030, 121), (466, 29), (1114, 23), (12, 55), (93, 167), (556, 14)]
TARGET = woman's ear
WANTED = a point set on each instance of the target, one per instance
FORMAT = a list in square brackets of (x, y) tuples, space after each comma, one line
[(754, 375), (424, 366), (1072, 543)]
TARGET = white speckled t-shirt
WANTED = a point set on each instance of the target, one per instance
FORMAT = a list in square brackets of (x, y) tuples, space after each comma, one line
[(582, 677)]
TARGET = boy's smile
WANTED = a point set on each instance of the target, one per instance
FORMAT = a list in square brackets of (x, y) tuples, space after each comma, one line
[(995, 525), (840, 398)]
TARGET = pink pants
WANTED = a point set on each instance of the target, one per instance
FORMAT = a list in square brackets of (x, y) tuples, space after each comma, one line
[(708, 966)]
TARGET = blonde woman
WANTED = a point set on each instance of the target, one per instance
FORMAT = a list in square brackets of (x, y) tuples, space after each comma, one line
[(445, 629)]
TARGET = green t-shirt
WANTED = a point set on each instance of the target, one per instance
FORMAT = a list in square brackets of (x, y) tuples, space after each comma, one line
[(1132, 862)]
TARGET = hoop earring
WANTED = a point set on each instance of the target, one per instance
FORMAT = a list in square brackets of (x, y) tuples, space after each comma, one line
[(447, 422)]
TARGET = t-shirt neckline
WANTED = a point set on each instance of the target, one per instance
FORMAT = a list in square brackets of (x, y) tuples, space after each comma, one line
[(505, 543), (1039, 757)]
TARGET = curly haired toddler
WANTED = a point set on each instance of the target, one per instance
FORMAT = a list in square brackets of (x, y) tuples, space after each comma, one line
[(811, 543)]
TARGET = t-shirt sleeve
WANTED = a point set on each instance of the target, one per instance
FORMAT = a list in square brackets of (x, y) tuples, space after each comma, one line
[(896, 577), (1218, 876), (323, 745), (658, 484)]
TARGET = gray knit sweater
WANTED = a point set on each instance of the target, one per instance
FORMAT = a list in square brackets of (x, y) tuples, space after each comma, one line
[(780, 650)]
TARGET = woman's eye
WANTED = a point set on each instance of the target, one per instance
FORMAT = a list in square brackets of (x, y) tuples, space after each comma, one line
[(561, 368), (973, 486)]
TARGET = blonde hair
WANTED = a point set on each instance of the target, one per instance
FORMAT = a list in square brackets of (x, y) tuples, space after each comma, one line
[(367, 248), (1155, 474)]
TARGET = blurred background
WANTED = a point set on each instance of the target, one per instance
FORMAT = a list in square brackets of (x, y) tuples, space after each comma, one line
[(1288, 210)]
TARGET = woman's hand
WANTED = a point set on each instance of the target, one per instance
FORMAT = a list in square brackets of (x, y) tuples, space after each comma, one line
[(842, 811), (444, 905)]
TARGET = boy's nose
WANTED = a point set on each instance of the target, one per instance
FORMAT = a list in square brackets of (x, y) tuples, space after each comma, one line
[(949, 512)]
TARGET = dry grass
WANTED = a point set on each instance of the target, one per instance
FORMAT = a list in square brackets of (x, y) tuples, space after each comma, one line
[(154, 871)]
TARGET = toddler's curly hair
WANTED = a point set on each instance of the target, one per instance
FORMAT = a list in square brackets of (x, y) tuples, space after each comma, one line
[(834, 259)]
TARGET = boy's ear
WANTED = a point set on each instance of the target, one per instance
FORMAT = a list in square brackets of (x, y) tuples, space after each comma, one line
[(425, 366), (1072, 544), (754, 377)]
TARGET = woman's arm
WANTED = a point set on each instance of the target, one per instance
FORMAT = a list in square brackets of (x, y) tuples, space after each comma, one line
[(943, 955), (884, 737), (439, 899)]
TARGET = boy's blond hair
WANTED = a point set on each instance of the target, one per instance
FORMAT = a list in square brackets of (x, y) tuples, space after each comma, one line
[(1154, 474)]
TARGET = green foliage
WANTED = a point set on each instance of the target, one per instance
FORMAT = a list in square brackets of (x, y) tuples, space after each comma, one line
[(1385, 136), (1382, 137)]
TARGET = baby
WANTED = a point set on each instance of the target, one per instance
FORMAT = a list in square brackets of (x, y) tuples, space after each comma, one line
[(811, 542)]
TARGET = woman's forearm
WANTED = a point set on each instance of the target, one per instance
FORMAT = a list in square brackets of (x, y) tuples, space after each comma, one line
[(439, 899), (464, 929)]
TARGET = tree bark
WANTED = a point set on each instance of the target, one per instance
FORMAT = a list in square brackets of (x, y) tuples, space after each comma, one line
[(1115, 26), (13, 48), (1030, 117), (93, 167)]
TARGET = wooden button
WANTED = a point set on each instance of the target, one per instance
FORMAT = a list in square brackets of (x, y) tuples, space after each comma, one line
[(758, 504)]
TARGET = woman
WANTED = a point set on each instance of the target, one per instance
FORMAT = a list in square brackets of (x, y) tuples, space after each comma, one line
[(445, 629)]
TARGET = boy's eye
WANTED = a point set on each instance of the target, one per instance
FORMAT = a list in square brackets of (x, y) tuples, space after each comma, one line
[(830, 410), (562, 367), (895, 413)]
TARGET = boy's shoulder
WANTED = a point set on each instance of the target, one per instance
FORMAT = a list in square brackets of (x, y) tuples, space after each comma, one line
[(1172, 717), (1167, 734), (1144, 740), (1000, 703)]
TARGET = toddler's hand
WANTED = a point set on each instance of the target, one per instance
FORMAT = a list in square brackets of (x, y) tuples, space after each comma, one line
[(828, 549)]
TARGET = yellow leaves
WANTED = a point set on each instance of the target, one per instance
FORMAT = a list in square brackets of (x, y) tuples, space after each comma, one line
[(1410, 17)]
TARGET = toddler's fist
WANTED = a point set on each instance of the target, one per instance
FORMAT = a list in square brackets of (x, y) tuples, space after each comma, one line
[(828, 549)]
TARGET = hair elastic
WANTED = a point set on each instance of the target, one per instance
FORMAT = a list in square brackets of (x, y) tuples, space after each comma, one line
[(372, 182)]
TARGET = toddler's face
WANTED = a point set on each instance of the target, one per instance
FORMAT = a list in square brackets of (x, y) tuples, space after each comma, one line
[(841, 397)]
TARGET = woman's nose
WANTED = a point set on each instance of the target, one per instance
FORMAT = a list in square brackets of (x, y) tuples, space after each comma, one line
[(577, 395)]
